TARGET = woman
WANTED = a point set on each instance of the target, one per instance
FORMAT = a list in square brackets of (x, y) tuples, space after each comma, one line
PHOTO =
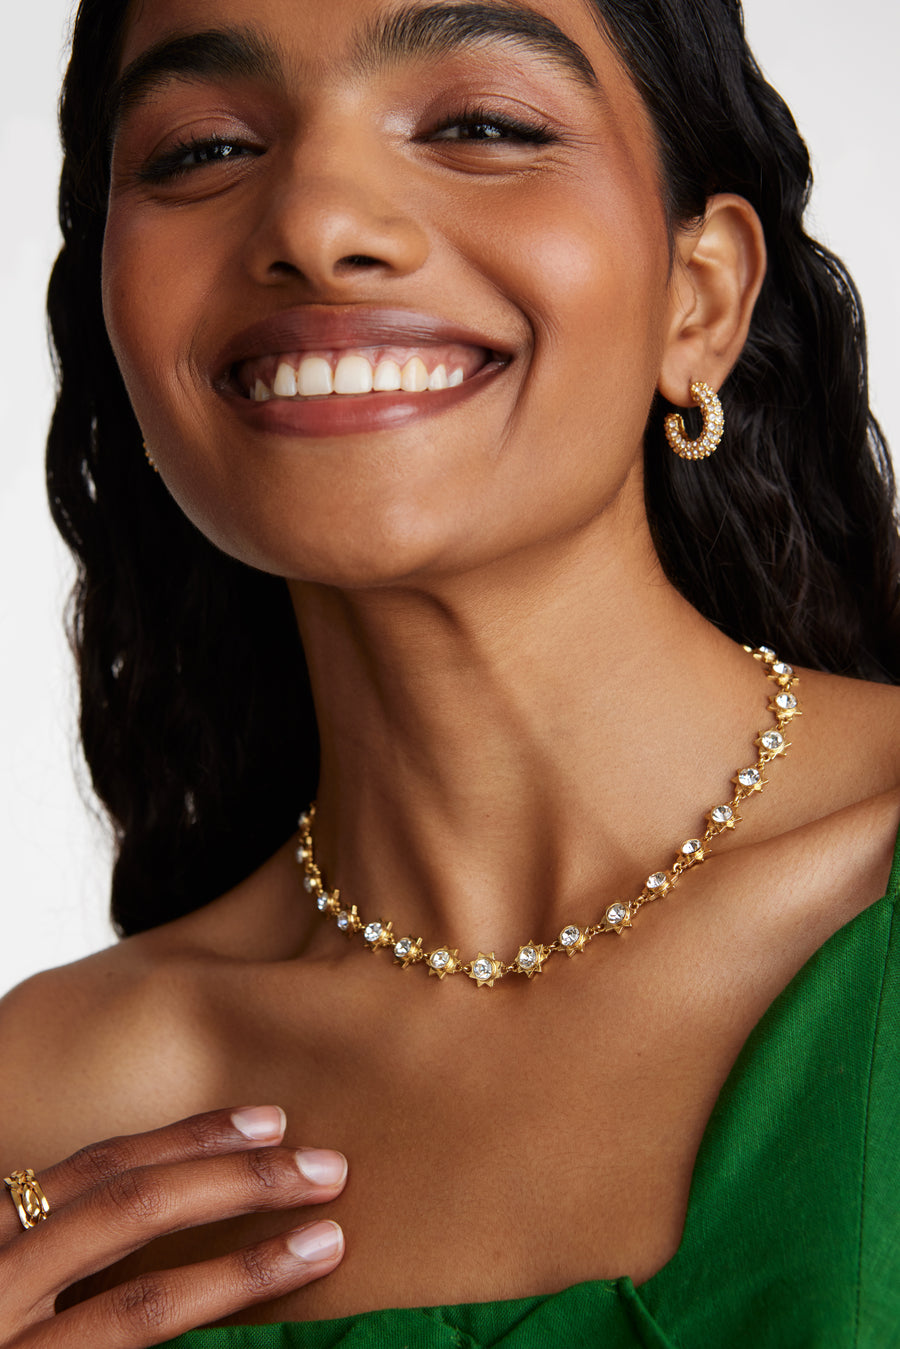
[(521, 616)]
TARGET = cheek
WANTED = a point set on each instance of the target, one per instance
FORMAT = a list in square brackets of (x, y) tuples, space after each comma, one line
[(587, 260), (157, 288), (589, 268), (601, 293), (127, 268), (152, 291)]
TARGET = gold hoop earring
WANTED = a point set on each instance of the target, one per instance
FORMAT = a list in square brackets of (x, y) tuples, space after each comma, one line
[(148, 456), (713, 425)]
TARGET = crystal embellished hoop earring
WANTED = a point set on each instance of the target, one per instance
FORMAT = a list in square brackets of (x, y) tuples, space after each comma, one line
[(149, 457), (713, 425)]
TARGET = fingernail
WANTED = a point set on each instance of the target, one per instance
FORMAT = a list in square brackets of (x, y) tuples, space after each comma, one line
[(321, 1166), (321, 1242), (261, 1121)]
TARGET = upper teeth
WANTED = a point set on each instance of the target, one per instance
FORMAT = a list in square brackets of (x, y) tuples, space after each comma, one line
[(354, 374)]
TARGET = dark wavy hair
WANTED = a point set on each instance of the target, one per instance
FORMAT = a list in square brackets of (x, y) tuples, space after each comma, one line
[(196, 718)]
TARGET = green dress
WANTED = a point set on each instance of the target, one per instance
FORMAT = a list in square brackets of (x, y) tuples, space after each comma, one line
[(792, 1239)]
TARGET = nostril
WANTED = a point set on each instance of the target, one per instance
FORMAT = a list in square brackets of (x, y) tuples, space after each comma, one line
[(359, 260), (284, 269)]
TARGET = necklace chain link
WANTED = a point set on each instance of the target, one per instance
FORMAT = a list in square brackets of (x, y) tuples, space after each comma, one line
[(487, 968)]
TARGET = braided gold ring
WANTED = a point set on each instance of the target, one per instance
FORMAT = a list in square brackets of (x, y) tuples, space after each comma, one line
[(28, 1197)]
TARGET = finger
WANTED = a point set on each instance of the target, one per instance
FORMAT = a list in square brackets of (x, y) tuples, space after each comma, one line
[(156, 1307), (211, 1134), (134, 1208)]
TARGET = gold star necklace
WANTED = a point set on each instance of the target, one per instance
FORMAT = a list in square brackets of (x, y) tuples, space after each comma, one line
[(486, 968)]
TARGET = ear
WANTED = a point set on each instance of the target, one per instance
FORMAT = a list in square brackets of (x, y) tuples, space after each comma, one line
[(717, 273)]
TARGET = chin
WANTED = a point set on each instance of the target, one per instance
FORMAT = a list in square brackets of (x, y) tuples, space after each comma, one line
[(347, 549)]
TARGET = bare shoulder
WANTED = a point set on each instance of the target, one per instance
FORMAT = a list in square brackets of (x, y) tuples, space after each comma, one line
[(877, 708), (832, 814), (125, 1040), (849, 738), (90, 1050)]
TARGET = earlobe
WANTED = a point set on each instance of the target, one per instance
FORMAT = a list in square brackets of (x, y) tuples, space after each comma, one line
[(717, 274)]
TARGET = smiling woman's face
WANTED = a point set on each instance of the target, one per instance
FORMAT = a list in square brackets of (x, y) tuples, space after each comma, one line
[(363, 192)]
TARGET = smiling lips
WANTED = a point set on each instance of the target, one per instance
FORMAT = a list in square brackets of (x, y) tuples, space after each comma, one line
[(332, 370), (360, 370)]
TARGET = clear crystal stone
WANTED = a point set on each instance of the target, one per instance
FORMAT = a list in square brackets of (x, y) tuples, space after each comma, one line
[(569, 935), (403, 947), (309, 884), (616, 913), (772, 740), (722, 814), (343, 920), (766, 651), (438, 960), (527, 958), (482, 969), (303, 822), (749, 778), (656, 880), (302, 854), (693, 845), (322, 902), (786, 701), (372, 931), (780, 668)]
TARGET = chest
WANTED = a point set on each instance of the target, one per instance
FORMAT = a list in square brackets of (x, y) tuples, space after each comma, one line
[(501, 1143), (498, 1151)]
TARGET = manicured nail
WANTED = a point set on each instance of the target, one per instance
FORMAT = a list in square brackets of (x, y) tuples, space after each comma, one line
[(259, 1122), (320, 1166), (321, 1242)]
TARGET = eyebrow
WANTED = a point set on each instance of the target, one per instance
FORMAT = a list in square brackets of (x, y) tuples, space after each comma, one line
[(226, 53), (414, 32), (439, 29)]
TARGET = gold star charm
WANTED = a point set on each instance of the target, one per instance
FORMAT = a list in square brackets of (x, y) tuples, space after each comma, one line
[(408, 952), (691, 853), (484, 969), (443, 961), (657, 885), (771, 743), (530, 959), (378, 934), (784, 705), (722, 817), (572, 939), (749, 780), (783, 674), (616, 919), (349, 921)]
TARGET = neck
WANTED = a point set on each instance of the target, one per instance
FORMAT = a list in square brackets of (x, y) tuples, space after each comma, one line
[(508, 752)]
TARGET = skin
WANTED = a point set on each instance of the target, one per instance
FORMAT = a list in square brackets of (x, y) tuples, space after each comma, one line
[(520, 717)]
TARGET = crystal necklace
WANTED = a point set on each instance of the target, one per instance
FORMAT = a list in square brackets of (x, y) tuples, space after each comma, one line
[(486, 968)]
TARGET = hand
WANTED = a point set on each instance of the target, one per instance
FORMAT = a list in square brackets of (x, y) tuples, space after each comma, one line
[(112, 1198)]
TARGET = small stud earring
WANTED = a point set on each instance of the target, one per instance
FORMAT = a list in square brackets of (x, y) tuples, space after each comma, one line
[(149, 457), (713, 425)]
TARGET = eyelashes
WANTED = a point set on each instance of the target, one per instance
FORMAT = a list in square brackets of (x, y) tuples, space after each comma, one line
[(477, 126), (486, 126), (193, 153)]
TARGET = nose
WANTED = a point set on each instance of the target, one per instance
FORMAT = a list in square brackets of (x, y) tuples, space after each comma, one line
[(329, 218)]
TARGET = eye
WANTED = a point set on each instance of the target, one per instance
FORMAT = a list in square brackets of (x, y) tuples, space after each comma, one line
[(189, 155), (490, 128)]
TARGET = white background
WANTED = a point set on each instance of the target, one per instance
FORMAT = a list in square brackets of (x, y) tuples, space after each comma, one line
[(835, 63)]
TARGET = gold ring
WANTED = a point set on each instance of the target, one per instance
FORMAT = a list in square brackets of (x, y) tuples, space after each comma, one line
[(28, 1197)]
